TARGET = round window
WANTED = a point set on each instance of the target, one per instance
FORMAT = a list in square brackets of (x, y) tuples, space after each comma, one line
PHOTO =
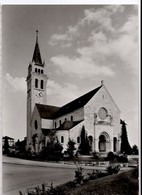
[(102, 113)]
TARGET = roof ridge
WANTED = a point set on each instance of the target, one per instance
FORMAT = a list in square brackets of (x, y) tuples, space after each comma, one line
[(83, 95), (77, 103)]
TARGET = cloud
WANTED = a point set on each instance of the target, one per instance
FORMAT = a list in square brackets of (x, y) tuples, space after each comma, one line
[(83, 66), (106, 45), (61, 94), (63, 38), (100, 18), (66, 38), (124, 45), (16, 84)]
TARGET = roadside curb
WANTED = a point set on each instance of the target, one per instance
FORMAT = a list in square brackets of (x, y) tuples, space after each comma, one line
[(59, 165)]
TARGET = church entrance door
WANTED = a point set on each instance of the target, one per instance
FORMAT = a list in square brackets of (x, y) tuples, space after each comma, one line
[(102, 143)]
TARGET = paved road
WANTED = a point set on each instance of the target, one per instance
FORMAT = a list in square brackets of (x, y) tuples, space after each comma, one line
[(19, 174), (19, 177)]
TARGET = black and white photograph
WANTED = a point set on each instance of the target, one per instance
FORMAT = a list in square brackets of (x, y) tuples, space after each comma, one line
[(70, 99)]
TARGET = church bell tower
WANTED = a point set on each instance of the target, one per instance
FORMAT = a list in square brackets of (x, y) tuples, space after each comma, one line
[(36, 85)]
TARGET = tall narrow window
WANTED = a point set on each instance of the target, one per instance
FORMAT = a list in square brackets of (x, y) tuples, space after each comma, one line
[(62, 139), (60, 122), (39, 71), (55, 125), (36, 83), (35, 69), (71, 118), (41, 84), (36, 125)]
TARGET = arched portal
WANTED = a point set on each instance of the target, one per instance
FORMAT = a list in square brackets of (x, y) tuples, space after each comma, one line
[(115, 144), (104, 142)]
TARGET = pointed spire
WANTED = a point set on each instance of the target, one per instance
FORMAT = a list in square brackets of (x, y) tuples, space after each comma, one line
[(36, 56)]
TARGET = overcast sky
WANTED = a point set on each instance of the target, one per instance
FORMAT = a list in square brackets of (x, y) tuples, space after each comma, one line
[(81, 46)]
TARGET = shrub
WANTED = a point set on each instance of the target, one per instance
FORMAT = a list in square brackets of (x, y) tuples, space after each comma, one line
[(93, 175), (95, 155), (79, 175), (70, 148), (122, 158), (113, 169), (135, 150), (110, 156)]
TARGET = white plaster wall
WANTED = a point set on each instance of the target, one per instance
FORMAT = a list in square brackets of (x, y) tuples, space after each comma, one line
[(70, 134), (77, 116), (65, 134), (76, 132), (47, 123), (37, 131)]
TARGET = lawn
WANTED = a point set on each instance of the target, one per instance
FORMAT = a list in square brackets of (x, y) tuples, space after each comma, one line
[(123, 183)]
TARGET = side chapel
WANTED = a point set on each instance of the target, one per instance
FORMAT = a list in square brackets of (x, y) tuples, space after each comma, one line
[(95, 110)]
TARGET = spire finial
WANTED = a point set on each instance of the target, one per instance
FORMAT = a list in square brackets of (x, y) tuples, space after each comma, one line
[(102, 82), (37, 34)]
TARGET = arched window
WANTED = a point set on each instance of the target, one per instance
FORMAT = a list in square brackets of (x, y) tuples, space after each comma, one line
[(35, 69), (65, 119), (102, 113), (41, 84), (71, 118), (36, 83), (39, 71), (60, 122), (36, 125), (62, 139), (78, 140)]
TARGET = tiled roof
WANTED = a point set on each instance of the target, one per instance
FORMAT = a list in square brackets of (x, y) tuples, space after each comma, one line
[(47, 111), (77, 103), (8, 138), (52, 112), (66, 125)]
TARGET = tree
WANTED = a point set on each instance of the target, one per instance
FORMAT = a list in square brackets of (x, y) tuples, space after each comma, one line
[(53, 149), (135, 150), (71, 148), (84, 145), (125, 146)]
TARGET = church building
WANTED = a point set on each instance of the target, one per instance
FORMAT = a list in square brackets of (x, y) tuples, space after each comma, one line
[(95, 110)]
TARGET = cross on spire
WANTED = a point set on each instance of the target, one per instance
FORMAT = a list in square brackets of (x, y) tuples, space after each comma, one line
[(102, 82)]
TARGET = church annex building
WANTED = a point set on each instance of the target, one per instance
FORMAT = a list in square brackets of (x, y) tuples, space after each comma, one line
[(95, 110)]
